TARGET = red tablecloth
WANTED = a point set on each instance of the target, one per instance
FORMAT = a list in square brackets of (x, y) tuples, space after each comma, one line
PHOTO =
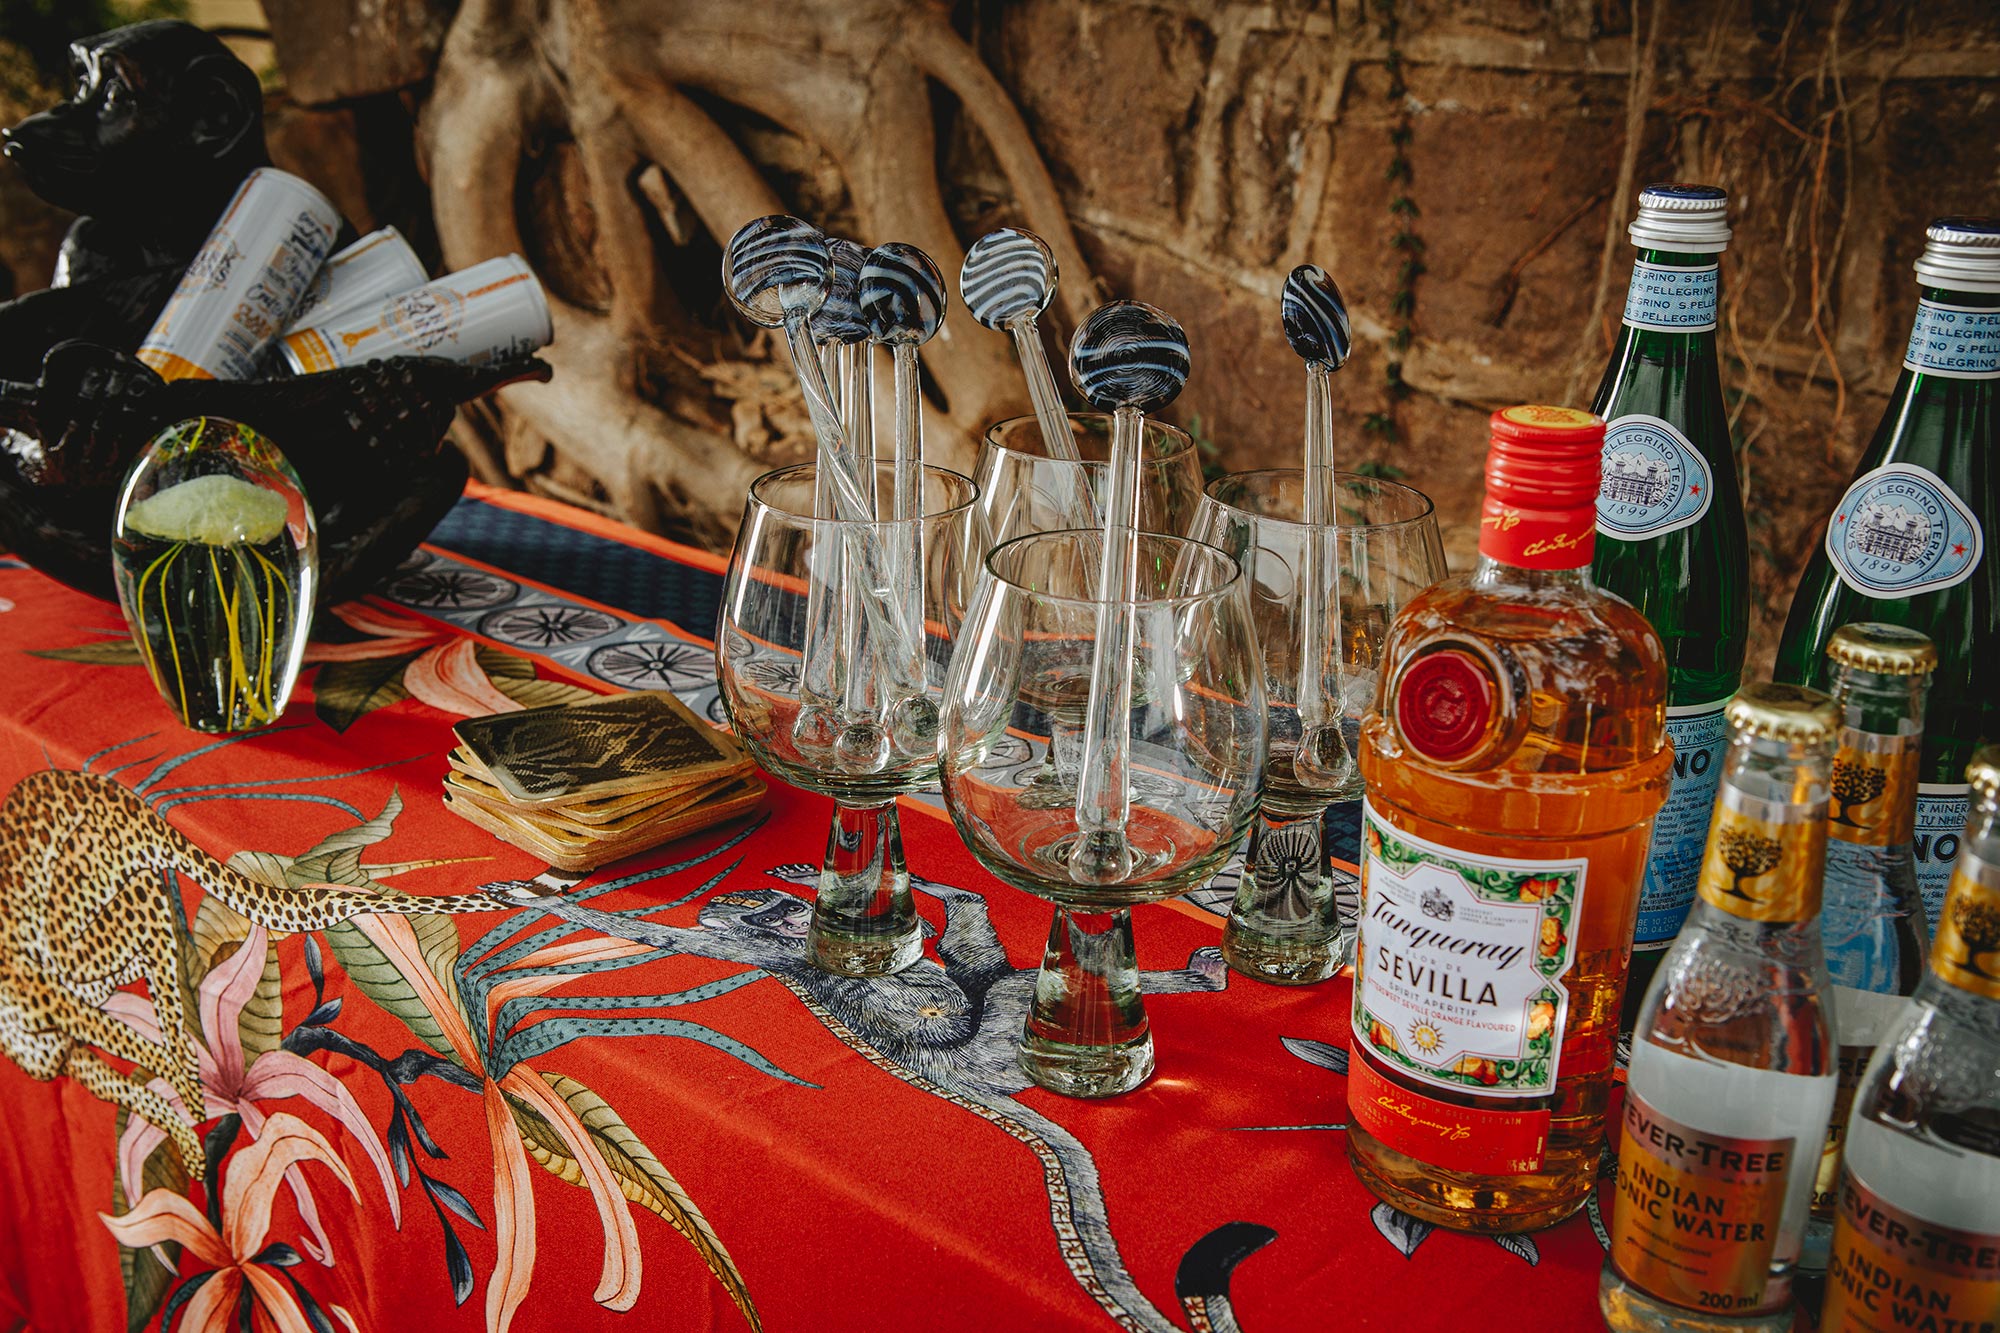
[(632, 1107)]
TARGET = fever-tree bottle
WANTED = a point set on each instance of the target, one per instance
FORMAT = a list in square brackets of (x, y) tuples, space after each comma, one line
[(1906, 542), (1732, 1069), (1514, 761), (1873, 921), (1916, 1244), (1670, 531)]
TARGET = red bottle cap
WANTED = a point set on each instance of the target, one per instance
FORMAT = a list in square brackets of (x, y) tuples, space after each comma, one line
[(1443, 704), (1542, 469)]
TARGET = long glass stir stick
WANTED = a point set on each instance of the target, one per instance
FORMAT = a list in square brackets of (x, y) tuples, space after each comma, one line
[(902, 297), (834, 640), (778, 272), (1008, 279), (1316, 326), (1127, 359)]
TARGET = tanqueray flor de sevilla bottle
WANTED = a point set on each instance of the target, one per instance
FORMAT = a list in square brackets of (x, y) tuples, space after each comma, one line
[(1873, 919), (1906, 543), (1916, 1241), (1514, 761), (1670, 531), (1732, 1075)]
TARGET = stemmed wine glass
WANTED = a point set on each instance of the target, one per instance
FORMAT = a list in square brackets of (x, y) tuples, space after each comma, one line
[(1023, 489), (858, 752), (1288, 923), (1021, 659)]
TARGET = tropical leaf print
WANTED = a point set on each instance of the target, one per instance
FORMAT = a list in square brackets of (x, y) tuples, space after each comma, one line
[(345, 692), (104, 652), (148, 1273), (640, 1174), (261, 1026)]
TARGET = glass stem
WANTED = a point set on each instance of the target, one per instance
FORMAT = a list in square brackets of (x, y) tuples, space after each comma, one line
[(1284, 925), (865, 920), (1087, 993)]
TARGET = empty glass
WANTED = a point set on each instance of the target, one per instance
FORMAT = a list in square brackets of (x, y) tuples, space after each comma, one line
[(1019, 679), (1289, 924), (848, 711), (1022, 489)]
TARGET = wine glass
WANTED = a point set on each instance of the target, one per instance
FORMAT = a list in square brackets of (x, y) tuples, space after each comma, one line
[(848, 713), (1290, 922), (1021, 662), (1023, 489)]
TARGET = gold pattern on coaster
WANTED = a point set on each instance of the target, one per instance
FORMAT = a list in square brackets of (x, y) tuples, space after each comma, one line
[(602, 780), (624, 743)]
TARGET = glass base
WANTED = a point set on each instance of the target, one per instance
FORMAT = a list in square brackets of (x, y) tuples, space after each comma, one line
[(1087, 1071), (1816, 1245), (1299, 960), (1626, 1309), (869, 955)]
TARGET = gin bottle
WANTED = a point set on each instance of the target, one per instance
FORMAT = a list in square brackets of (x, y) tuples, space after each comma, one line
[(1732, 1074), (1906, 542), (1514, 760), (1916, 1241), (1670, 531)]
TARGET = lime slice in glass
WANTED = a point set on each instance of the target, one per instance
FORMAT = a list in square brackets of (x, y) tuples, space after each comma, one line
[(215, 510)]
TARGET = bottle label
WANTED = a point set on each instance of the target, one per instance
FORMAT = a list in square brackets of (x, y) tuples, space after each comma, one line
[(1460, 963), (1655, 480), (1942, 808), (1696, 1215), (1874, 789), (1765, 859), (1680, 830), (1900, 531), (1455, 1138), (1966, 950), (1960, 341), (1892, 1271), (1679, 300), (1826, 1185)]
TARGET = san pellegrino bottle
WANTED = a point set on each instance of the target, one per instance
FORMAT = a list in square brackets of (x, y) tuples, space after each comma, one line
[(1916, 1243), (1732, 1073), (1514, 760), (1906, 542), (1670, 533), (1873, 919)]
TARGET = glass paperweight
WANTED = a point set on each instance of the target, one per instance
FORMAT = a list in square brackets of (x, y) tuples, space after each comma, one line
[(216, 563)]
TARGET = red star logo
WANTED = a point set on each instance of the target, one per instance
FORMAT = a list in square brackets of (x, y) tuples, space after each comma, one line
[(1694, 490), (1840, 518), (1958, 548)]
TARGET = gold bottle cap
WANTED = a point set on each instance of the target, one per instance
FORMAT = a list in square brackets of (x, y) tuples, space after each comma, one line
[(1984, 772), (1886, 650), (1777, 712)]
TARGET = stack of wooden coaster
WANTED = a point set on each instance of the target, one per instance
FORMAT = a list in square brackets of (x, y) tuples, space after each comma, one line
[(580, 785)]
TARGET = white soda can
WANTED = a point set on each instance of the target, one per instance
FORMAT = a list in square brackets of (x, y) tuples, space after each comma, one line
[(246, 282), (379, 264), (488, 312)]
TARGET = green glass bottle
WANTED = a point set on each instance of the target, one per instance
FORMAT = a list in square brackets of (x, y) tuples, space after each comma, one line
[(1905, 544), (1670, 531)]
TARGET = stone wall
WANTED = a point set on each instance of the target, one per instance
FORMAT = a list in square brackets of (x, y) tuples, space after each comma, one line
[(1465, 171)]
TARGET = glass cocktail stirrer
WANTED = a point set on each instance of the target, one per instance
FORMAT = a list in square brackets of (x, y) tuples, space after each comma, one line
[(902, 299), (778, 271), (1316, 325), (842, 335), (1008, 279), (1127, 359)]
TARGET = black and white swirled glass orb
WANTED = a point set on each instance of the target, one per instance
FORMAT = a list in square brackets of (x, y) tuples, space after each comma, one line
[(840, 320), (1129, 354), (1315, 317), (902, 294), (1007, 274), (774, 262)]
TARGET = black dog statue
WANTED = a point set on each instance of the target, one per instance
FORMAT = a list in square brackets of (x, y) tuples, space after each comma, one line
[(164, 125)]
